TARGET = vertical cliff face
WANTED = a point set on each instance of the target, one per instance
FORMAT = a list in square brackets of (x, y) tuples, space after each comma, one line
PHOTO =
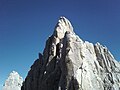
[(69, 63), (13, 82)]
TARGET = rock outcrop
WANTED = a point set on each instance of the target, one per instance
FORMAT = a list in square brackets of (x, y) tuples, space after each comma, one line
[(13, 82), (69, 63)]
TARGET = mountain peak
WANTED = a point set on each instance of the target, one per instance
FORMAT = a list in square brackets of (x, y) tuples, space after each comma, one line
[(13, 82), (13, 73), (69, 63), (65, 22), (63, 26)]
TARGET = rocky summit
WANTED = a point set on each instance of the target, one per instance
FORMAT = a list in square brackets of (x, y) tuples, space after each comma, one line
[(69, 63), (13, 82)]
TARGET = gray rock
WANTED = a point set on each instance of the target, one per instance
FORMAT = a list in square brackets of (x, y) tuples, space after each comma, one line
[(69, 63)]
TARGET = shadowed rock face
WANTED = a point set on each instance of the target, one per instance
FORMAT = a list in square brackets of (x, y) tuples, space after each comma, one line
[(69, 63)]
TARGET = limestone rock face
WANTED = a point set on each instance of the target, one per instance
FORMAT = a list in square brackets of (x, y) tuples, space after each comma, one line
[(13, 82), (69, 63)]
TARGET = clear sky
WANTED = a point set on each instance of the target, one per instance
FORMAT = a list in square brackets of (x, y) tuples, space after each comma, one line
[(26, 24)]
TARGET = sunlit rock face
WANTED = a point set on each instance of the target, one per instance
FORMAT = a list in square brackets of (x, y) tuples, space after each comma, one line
[(69, 63), (13, 82)]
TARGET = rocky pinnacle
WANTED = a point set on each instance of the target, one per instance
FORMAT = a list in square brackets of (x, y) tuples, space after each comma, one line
[(69, 63)]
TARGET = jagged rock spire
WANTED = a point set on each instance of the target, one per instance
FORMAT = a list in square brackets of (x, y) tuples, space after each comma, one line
[(62, 27), (68, 63)]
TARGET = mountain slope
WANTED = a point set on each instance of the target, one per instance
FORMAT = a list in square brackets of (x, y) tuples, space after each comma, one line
[(69, 63), (13, 82)]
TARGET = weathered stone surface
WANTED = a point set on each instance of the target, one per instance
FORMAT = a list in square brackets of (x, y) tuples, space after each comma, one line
[(69, 63), (13, 82)]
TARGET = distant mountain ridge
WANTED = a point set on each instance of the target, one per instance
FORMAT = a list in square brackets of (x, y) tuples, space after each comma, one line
[(13, 82), (69, 63)]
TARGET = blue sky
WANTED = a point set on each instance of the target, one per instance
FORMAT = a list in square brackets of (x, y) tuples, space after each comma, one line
[(26, 24)]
